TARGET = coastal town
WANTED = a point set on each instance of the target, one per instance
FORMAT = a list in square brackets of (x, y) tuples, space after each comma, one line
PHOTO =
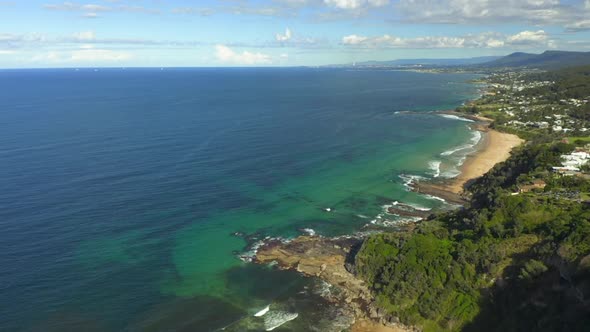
[(527, 102)]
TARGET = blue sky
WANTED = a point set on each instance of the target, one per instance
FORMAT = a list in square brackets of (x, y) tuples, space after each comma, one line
[(123, 33)]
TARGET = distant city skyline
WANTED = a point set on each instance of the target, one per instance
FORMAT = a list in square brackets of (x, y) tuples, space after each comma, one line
[(175, 33)]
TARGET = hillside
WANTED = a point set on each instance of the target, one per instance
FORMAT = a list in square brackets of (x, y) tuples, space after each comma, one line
[(504, 263), (517, 256), (545, 60), (431, 62), (422, 62)]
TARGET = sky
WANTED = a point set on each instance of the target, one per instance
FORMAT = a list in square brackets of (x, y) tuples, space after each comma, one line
[(216, 33)]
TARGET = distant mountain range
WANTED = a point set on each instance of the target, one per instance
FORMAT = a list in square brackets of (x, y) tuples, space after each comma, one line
[(545, 60), (430, 62)]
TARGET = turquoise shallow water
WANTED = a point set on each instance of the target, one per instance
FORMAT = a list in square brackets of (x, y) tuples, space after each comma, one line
[(122, 189)]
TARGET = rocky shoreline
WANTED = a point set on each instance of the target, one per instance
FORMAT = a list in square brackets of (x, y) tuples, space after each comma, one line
[(332, 260)]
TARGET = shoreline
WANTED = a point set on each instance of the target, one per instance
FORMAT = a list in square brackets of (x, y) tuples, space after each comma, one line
[(494, 147), (331, 259)]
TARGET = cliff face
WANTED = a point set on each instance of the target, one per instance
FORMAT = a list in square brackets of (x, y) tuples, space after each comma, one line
[(327, 259)]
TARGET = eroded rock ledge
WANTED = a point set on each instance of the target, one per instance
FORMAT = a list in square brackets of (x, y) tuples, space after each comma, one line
[(328, 259)]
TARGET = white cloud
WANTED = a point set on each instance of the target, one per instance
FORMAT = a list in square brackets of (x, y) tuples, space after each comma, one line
[(344, 4), (484, 40), (91, 10), (83, 55), (353, 39), (227, 55), (258, 11), (355, 4), (71, 6), (527, 37), (193, 11), (378, 3), (578, 26), (488, 11), (94, 55), (50, 56), (14, 38), (85, 36), (295, 3), (285, 37), (7, 52)]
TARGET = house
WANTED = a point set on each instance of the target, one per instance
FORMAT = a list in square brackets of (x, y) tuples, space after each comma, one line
[(537, 184), (566, 170), (575, 159)]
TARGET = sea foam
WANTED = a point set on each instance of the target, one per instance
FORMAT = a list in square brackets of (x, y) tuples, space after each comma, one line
[(413, 206), (309, 231), (262, 312), (436, 198), (454, 117), (435, 167), (474, 140), (409, 180), (274, 319)]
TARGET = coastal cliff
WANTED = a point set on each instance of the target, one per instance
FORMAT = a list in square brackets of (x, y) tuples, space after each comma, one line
[(332, 259), (504, 258), (515, 257)]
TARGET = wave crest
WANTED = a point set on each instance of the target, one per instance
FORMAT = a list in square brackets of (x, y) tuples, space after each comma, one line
[(274, 319)]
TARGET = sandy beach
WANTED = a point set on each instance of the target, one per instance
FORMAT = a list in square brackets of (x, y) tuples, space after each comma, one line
[(494, 148)]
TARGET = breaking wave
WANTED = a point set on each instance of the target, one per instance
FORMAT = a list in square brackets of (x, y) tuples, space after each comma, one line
[(454, 117), (274, 319), (435, 167), (262, 312)]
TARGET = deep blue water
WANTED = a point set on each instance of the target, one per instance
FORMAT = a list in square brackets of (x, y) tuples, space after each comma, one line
[(121, 188)]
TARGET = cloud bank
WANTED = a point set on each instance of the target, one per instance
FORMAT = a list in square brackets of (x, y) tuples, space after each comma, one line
[(227, 55), (533, 39)]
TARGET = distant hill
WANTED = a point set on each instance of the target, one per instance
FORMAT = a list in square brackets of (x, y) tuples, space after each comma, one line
[(432, 62), (423, 62), (545, 60)]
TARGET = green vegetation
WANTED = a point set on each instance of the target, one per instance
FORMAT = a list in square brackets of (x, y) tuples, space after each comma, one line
[(510, 260), (569, 83), (547, 59), (505, 262), (537, 104)]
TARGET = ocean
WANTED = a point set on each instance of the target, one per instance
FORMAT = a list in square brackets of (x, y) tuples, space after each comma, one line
[(130, 196)]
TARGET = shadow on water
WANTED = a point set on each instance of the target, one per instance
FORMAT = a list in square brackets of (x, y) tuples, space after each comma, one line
[(65, 321), (200, 313), (262, 282), (292, 302)]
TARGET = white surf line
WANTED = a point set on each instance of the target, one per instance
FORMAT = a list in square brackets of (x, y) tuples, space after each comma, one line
[(262, 312)]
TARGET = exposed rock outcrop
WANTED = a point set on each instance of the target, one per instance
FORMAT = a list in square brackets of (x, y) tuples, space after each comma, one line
[(328, 259)]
